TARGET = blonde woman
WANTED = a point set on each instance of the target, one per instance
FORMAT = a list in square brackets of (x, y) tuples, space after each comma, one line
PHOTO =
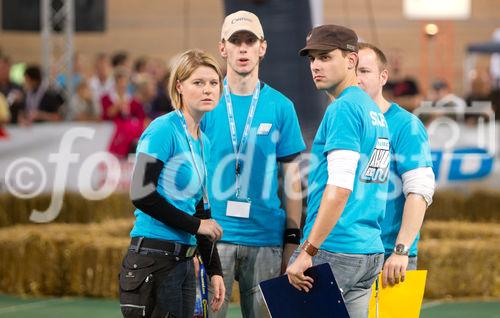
[(169, 190)]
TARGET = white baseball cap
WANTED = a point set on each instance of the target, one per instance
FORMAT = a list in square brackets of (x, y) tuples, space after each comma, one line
[(241, 21)]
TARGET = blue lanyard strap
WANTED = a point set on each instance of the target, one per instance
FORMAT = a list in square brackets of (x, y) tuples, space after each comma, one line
[(203, 180), (232, 126), (203, 280)]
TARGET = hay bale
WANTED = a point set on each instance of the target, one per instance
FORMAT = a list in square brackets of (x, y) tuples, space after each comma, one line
[(446, 205), (93, 267), (484, 206), (75, 208), (459, 230), (116, 228), (461, 268), (62, 259), (463, 259), (30, 264), (478, 206)]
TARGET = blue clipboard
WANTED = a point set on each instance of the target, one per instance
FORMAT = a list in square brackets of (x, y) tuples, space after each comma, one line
[(323, 300)]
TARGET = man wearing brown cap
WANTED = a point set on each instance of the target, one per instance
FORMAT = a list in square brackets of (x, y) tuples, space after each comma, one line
[(347, 183), (254, 131)]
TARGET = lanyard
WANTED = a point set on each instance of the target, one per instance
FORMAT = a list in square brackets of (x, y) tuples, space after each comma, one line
[(203, 281), (203, 180), (232, 127)]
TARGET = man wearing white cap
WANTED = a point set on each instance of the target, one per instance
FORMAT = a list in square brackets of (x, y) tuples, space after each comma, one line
[(254, 132)]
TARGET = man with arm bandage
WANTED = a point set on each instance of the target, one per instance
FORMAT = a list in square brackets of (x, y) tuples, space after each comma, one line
[(411, 185)]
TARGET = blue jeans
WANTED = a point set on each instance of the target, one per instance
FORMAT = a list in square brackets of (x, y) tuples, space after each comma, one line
[(354, 273), (249, 265), (412, 263), (176, 292)]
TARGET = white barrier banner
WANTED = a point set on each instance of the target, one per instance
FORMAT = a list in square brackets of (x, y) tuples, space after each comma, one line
[(54, 156), (58, 157), (464, 145)]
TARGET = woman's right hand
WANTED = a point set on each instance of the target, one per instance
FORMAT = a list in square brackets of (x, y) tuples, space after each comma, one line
[(211, 229)]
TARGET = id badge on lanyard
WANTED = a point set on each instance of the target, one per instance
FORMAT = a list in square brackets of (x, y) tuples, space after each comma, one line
[(240, 207)]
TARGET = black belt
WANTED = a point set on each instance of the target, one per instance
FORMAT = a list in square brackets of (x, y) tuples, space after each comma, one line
[(141, 243)]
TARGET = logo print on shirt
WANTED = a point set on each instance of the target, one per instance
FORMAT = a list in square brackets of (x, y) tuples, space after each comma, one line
[(377, 170), (378, 119)]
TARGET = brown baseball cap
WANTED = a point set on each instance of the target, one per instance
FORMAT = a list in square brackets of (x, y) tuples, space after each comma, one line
[(241, 21), (330, 37)]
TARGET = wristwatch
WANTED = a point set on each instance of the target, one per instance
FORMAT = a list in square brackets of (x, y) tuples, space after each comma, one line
[(401, 249), (309, 248)]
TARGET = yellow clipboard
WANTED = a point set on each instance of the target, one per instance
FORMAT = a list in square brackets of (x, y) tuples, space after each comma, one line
[(403, 299)]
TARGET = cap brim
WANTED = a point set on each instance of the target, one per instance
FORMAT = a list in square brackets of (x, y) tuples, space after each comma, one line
[(241, 30), (320, 47)]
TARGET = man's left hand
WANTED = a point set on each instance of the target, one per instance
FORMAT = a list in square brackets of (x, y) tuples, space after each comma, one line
[(394, 270)]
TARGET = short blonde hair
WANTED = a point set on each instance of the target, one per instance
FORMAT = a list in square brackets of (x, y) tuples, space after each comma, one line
[(184, 66)]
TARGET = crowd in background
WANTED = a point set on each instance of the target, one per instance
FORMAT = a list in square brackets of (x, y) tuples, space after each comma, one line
[(444, 100), (128, 93), (131, 93)]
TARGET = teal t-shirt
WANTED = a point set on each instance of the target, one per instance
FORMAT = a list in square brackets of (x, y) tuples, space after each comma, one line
[(179, 183), (274, 133), (410, 150), (352, 122)]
